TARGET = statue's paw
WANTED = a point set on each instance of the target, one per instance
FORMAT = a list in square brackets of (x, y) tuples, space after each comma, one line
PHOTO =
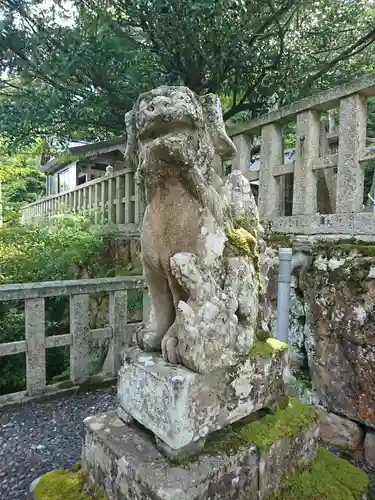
[(169, 347), (148, 340)]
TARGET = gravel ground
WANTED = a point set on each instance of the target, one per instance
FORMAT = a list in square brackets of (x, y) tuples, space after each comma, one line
[(40, 436)]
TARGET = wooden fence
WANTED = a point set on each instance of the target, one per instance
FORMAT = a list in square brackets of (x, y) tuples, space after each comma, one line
[(119, 332)]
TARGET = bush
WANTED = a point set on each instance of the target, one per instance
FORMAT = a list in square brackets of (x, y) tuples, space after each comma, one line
[(68, 247)]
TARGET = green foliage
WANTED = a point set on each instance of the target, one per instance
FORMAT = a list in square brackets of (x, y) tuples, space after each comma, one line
[(68, 248), (20, 178), (94, 57)]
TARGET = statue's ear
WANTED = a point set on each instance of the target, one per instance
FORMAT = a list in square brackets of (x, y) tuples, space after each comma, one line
[(131, 152), (223, 144)]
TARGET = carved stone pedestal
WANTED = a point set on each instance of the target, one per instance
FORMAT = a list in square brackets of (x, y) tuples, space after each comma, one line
[(181, 408)]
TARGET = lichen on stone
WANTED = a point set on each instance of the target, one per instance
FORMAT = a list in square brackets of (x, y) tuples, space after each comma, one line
[(67, 485), (267, 348), (327, 478)]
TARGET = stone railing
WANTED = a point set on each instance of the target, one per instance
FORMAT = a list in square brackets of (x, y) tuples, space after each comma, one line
[(313, 158), (115, 198), (112, 199), (118, 333)]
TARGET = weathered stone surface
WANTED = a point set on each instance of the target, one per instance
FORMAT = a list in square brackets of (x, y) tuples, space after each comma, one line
[(128, 465), (285, 456), (339, 431), (339, 296), (124, 459), (201, 239), (332, 325), (369, 448), (180, 406)]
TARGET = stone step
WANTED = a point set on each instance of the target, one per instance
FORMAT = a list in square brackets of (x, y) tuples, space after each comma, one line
[(242, 462)]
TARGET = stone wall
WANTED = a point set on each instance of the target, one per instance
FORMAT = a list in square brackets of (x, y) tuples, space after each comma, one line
[(332, 333)]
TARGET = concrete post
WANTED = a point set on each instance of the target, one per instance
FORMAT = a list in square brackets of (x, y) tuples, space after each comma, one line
[(35, 350), (118, 312), (79, 329), (352, 141), (271, 155), (242, 159), (307, 149)]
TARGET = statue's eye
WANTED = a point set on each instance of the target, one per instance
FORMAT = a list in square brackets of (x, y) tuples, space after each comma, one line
[(151, 107)]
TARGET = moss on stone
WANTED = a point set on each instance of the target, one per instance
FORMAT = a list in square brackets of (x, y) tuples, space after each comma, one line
[(67, 485), (262, 335), (262, 432), (267, 348), (284, 422), (327, 478), (277, 240), (242, 242), (347, 246)]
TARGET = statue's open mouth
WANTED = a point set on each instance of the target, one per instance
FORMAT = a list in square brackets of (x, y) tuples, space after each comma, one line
[(159, 127)]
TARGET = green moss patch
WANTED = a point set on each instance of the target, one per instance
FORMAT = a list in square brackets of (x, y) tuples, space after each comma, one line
[(262, 433), (347, 246), (283, 423), (327, 478), (241, 242), (268, 348), (67, 485), (276, 240)]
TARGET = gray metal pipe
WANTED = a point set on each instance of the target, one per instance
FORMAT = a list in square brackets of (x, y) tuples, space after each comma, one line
[(288, 262)]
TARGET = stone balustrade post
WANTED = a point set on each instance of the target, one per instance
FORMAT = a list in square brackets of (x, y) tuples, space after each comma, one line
[(146, 306), (35, 346), (271, 155), (242, 160), (118, 312), (352, 142), (307, 149), (79, 329)]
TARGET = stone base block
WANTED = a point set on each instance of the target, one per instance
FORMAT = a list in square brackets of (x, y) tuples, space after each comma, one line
[(182, 407), (124, 460), (128, 465)]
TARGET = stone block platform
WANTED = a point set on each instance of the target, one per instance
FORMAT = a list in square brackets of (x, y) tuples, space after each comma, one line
[(241, 462), (181, 408)]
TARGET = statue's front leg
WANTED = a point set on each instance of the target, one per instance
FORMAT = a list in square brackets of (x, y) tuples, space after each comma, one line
[(162, 311)]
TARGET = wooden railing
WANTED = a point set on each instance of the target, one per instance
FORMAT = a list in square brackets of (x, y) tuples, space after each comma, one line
[(342, 167), (112, 199), (119, 332)]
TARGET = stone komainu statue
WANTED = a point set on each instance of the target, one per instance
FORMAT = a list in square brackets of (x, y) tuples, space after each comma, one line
[(200, 238)]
